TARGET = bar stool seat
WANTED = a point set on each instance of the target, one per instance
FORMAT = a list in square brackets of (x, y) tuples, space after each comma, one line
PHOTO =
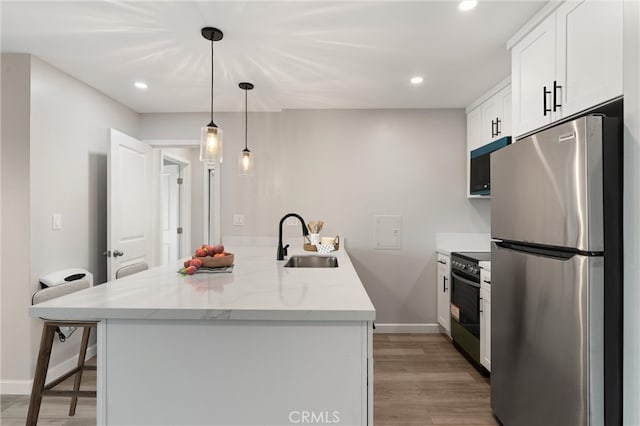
[(40, 388), (125, 271)]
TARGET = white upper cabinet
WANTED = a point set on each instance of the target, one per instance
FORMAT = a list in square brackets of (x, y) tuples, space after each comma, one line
[(532, 74), (488, 119), (589, 62), (496, 116), (570, 62), (474, 129)]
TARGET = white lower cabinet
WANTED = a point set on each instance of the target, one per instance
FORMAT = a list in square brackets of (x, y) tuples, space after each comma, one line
[(485, 318), (444, 292)]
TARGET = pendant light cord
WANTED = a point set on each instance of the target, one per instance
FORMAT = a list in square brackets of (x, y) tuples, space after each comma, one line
[(212, 79), (246, 118)]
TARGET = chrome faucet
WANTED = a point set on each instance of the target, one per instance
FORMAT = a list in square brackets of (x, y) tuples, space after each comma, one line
[(282, 251)]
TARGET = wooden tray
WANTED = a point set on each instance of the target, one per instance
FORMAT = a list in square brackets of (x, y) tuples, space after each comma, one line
[(217, 262), (310, 247)]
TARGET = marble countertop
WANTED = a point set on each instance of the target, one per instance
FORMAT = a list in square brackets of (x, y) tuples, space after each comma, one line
[(259, 288)]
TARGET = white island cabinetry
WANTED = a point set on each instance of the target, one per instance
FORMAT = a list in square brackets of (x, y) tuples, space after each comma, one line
[(264, 344)]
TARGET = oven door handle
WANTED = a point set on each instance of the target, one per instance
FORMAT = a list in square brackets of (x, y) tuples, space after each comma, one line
[(464, 280)]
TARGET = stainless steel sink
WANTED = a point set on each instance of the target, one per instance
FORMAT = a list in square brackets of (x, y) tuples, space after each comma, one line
[(311, 262)]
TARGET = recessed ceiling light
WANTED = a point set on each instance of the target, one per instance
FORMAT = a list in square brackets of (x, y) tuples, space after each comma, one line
[(141, 85), (416, 80), (466, 5)]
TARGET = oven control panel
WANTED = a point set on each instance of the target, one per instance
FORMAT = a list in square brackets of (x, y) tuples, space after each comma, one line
[(468, 263)]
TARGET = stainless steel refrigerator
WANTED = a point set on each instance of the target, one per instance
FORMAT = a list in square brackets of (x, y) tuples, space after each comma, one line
[(556, 265)]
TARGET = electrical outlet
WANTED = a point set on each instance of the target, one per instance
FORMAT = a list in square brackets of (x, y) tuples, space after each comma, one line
[(238, 220), (292, 221)]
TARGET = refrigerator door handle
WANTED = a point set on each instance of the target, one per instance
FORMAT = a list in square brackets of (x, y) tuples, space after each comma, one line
[(540, 251)]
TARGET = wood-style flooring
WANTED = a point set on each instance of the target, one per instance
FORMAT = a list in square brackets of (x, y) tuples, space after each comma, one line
[(419, 379)]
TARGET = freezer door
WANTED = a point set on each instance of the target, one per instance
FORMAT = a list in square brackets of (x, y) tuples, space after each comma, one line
[(546, 339), (547, 188)]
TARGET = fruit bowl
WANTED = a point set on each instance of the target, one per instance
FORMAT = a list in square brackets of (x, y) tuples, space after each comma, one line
[(209, 257), (217, 261)]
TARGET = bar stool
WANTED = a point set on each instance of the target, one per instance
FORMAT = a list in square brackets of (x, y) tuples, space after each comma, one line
[(131, 269), (50, 327)]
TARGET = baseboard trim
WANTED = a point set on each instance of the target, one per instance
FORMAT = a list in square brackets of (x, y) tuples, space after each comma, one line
[(407, 328), (23, 387)]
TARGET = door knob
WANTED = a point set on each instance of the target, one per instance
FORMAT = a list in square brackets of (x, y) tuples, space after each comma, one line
[(117, 253)]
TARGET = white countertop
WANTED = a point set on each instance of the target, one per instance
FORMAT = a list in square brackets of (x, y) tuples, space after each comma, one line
[(447, 242), (259, 288)]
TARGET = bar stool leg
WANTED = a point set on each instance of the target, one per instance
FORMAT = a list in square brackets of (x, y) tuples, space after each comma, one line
[(81, 359), (40, 376)]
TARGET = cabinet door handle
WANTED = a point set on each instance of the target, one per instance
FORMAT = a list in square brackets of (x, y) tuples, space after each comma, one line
[(545, 92), (481, 305), (488, 282), (444, 284), (442, 261), (556, 86), (493, 132), (498, 121)]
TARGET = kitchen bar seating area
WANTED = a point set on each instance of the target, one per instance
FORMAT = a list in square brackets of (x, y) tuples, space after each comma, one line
[(276, 213)]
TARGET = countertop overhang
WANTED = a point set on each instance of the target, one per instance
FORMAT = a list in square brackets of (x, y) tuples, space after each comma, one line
[(259, 288)]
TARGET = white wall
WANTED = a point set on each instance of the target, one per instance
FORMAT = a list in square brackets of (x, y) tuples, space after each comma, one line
[(65, 172), (69, 137), (14, 246), (344, 166)]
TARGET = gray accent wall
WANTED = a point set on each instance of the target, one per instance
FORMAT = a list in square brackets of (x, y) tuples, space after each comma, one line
[(344, 167)]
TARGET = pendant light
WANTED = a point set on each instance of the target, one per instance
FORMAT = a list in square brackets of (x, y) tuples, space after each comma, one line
[(246, 159), (211, 135)]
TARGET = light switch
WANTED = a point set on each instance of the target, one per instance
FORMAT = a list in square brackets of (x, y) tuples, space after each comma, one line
[(292, 221), (387, 232), (238, 220), (56, 222)]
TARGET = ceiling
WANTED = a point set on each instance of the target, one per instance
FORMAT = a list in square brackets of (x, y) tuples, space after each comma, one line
[(299, 54)]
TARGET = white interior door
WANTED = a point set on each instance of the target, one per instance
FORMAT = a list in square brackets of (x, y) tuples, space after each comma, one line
[(170, 212), (129, 202)]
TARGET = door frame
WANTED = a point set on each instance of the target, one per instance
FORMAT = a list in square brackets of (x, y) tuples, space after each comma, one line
[(184, 243), (211, 205)]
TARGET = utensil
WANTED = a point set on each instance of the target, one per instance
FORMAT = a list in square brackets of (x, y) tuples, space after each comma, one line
[(320, 225), (311, 227)]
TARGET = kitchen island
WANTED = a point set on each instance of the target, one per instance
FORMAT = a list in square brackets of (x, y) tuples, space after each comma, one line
[(263, 345)]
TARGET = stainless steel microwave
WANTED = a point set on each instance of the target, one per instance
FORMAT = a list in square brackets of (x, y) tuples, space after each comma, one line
[(480, 167)]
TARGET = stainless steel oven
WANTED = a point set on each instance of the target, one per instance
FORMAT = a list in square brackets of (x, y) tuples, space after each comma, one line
[(465, 303)]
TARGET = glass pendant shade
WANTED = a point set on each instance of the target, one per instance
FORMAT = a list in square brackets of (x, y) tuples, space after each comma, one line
[(211, 143), (211, 135), (246, 157), (245, 162)]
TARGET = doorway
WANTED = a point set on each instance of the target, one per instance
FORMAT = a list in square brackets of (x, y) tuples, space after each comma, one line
[(175, 207)]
